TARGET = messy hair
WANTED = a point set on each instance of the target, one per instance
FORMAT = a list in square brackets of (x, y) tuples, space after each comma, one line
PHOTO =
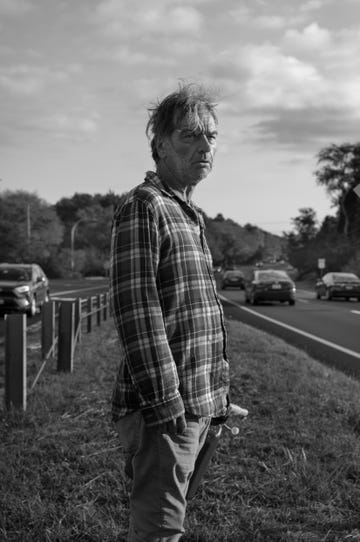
[(186, 102)]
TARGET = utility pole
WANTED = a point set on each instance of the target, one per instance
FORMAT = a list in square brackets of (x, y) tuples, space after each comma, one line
[(28, 223)]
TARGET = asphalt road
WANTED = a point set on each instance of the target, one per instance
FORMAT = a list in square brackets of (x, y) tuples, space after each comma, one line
[(327, 330)]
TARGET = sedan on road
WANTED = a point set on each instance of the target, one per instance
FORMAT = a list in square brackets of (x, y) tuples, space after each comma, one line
[(23, 288), (233, 278), (270, 285), (345, 285)]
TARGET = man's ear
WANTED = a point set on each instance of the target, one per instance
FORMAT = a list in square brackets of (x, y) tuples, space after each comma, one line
[(162, 145)]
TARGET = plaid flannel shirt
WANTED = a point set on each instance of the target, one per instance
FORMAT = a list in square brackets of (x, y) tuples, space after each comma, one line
[(166, 310)]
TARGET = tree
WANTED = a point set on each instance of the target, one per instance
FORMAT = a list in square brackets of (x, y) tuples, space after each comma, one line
[(30, 230), (305, 226), (301, 241), (340, 173)]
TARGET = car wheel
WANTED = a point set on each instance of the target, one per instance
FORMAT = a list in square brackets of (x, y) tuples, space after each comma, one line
[(291, 301), (33, 307), (328, 294), (318, 296)]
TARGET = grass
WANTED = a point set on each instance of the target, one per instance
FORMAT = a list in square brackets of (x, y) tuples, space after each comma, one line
[(292, 474)]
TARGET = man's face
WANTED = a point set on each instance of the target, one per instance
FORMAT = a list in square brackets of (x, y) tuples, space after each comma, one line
[(188, 153)]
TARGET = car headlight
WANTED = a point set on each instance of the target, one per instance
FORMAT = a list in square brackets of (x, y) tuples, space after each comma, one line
[(22, 289)]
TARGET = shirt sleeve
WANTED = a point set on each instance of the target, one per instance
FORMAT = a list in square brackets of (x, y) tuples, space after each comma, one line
[(135, 250)]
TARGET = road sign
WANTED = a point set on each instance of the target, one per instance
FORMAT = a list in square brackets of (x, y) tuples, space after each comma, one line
[(321, 263)]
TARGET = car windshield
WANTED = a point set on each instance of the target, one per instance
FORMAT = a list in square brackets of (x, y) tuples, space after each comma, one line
[(272, 275), (14, 273), (234, 273), (345, 277)]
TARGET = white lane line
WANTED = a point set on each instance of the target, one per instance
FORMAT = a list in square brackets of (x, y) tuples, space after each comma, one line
[(74, 291), (296, 330), (355, 312)]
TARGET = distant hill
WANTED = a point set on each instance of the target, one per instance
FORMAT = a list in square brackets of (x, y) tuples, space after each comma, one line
[(232, 244)]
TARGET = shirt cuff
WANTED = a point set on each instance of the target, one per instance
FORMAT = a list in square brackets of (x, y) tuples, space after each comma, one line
[(163, 412)]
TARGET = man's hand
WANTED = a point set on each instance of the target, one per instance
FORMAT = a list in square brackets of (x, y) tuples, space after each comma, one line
[(173, 427)]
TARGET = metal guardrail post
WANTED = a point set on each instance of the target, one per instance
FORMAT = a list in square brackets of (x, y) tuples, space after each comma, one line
[(106, 301), (47, 328), (15, 361), (66, 336), (78, 319), (98, 312), (89, 314)]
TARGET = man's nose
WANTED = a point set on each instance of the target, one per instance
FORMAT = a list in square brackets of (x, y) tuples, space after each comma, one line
[(203, 144)]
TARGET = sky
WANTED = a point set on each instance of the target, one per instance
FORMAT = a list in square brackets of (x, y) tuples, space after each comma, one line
[(77, 78)]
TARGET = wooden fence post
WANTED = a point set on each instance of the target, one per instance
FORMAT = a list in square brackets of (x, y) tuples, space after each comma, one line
[(89, 315), (15, 361), (47, 328), (98, 312), (66, 336)]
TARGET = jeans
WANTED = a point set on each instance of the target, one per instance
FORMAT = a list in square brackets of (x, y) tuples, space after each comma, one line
[(160, 465)]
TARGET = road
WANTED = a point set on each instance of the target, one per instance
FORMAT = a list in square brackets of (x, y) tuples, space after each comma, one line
[(66, 289), (327, 330)]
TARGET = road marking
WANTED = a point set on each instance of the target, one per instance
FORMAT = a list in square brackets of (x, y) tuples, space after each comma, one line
[(355, 312), (74, 291), (296, 330)]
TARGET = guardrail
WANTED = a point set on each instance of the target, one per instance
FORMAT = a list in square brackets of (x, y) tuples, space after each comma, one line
[(61, 329)]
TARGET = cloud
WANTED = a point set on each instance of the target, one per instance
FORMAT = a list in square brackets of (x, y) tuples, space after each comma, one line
[(266, 78), (313, 5), (311, 38), (14, 8), (270, 21), (133, 57), (309, 128), (32, 124), (121, 20), (71, 126), (244, 16), (240, 15), (298, 99), (24, 79)]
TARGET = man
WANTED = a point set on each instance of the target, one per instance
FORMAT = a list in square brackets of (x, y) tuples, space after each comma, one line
[(173, 377)]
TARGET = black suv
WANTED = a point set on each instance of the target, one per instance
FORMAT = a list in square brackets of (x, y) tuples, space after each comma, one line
[(23, 288)]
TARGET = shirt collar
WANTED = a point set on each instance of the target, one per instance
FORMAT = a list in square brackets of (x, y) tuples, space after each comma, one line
[(152, 178)]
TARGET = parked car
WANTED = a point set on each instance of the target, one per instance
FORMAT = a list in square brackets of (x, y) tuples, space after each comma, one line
[(233, 278), (332, 285), (23, 288), (270, 285)]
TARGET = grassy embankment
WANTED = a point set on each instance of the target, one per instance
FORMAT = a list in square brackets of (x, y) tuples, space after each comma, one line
[(293, 473)]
